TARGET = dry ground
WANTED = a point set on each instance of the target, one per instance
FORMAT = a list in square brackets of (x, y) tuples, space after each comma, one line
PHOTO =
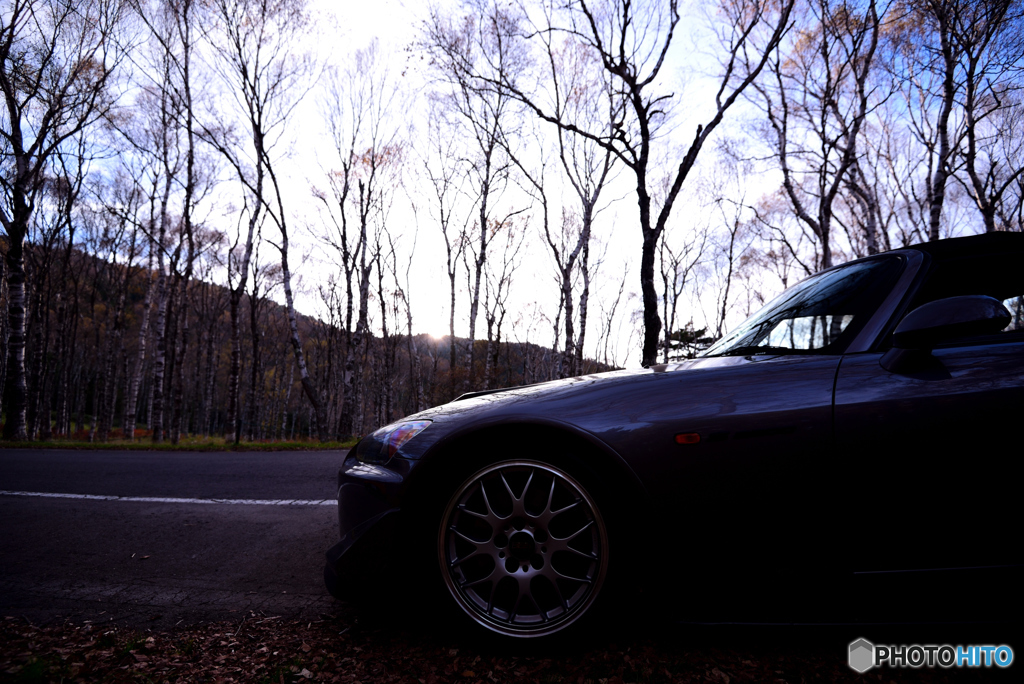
[(339, 648)]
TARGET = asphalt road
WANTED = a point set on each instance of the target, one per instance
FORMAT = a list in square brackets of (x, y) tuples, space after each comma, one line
[(167, 562), (159, 564)]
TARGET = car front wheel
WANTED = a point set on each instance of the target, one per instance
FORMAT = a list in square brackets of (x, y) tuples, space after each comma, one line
[(523, 549)]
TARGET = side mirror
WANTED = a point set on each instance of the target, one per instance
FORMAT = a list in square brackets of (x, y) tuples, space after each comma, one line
[(936, 322), (947, 319)]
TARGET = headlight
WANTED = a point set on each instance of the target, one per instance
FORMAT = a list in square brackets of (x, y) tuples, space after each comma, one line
[(380, 446)]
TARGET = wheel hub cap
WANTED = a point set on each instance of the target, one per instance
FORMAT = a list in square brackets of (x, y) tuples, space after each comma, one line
[(521, 545)]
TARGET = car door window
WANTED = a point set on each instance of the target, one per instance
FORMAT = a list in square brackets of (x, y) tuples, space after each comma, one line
[(1015, 305), (807, 332)]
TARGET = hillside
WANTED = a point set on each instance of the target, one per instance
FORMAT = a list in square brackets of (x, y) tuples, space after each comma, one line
[(86, 347)]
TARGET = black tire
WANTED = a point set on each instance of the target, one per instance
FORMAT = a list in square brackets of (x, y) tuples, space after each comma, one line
[(524, 549)]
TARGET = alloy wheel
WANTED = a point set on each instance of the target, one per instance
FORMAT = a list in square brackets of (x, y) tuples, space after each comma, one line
[(523, 548)]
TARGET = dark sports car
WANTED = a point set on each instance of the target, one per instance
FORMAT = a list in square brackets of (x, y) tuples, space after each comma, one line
[(845, 454)]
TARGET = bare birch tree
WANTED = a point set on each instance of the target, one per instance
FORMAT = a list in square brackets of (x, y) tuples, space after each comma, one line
[(632, 40), (496, 293), (172, 26), (922, 53), (461, 49), (816, 98), (358, 109), (677, 264), (267, 73), (442, 168), (990, 36), (57, 61), (582, 95)]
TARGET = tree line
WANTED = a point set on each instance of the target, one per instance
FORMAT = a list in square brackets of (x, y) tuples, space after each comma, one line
[(154, 242)]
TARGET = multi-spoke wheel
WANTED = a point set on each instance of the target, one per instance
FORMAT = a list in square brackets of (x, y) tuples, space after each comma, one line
[(523, 548)]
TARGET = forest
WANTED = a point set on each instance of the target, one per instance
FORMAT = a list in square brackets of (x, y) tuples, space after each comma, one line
[(236, 219)]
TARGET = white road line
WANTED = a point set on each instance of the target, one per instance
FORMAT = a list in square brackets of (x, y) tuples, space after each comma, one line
[(160, 499)]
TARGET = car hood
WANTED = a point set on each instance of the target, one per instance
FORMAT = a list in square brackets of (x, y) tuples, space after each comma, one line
[(569, 399)]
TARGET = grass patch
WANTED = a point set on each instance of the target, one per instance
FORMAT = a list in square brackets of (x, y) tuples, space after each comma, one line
[(187, 647), (131, 643), (282, 673), (189, 444), (39, 670)]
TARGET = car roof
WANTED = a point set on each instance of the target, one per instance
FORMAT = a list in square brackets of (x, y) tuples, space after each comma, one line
[(971, 245)]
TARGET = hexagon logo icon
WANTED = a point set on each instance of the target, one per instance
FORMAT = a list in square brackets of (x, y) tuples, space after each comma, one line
[(862, 655)]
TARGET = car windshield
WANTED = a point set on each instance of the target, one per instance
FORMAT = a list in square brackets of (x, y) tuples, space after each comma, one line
[(817, 316)]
